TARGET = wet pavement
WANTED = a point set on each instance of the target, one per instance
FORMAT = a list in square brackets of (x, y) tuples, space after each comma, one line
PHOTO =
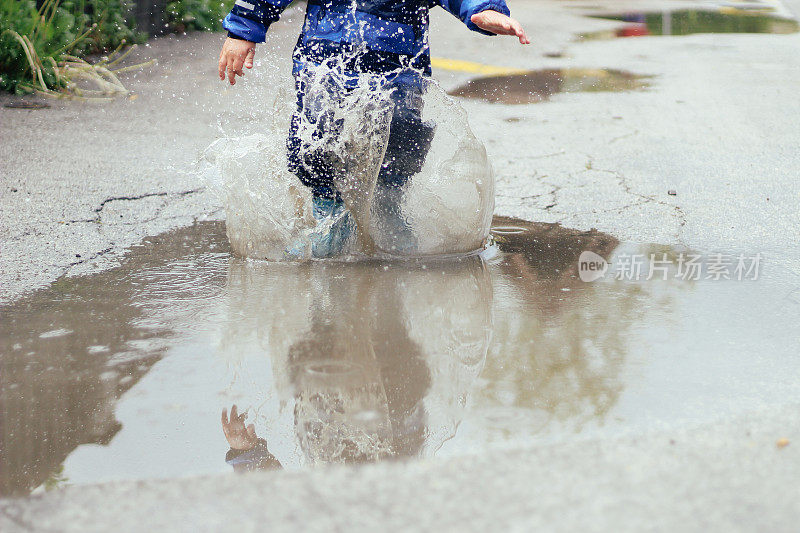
[(687, 397), (123, 374)]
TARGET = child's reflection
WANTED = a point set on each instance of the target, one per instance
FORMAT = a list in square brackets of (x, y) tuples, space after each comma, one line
[(381, 367)]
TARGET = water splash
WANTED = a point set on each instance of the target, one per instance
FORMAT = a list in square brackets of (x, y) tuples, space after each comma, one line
[(446, 204), (449, 204)]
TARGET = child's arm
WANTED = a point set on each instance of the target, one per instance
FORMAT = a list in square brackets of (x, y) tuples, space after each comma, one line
[(247, 452), (247, 25), (491, 17)]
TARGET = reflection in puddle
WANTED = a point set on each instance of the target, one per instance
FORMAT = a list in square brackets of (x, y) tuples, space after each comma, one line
[(123, 374), (685, 22), (539, 85)]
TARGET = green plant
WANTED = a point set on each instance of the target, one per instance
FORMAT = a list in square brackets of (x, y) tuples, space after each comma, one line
[(35, 54), (205, 15), (25, 29), (41, 49), (56, 479), (111, 24)]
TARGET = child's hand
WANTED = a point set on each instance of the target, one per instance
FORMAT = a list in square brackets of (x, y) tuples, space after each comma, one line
[(499, 24), (239, 437), (235, 54)]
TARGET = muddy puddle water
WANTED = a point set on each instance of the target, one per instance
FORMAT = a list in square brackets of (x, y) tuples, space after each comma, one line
[(125, 374), (755, 18), (539, 85)]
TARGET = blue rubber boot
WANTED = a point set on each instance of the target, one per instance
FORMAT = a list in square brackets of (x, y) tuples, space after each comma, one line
[(332, 233), (334, 229)]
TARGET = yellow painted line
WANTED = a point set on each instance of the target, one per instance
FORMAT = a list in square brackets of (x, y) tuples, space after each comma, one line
[(458, 65), (733, 10)]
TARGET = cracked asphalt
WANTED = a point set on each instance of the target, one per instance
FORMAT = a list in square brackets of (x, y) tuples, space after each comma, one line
[(717, 127), (82, 182)]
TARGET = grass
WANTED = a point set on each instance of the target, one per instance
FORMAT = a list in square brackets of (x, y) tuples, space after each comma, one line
[(43, 50), (39, 47), (54, 71)]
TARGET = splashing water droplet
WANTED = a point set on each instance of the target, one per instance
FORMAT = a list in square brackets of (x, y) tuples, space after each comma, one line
[(413, 177)]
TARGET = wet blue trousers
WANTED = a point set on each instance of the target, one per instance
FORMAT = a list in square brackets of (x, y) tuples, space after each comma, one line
[(409, 141)]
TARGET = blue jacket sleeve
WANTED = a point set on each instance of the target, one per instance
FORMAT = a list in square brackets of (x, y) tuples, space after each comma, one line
[(249, 19), (464, 9), (257, 458)]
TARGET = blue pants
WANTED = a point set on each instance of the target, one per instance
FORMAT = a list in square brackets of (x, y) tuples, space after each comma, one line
[(409, 141)]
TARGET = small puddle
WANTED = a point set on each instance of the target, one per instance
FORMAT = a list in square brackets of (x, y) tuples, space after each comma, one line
[(124, 374), (685, 22), (539, 85)]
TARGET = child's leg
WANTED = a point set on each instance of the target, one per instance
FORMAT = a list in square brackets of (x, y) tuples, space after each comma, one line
[(408, 144), (409, 141), (316, 168), (409, 138), (313, 167)]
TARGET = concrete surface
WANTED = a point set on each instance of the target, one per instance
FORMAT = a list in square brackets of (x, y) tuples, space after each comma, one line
[(718, 127), (81, 182), (724, 477)]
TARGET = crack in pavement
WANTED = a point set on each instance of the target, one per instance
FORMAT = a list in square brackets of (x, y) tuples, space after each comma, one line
[(553, 193), (625, 136), (105, 202), (623, 182), (99, 209), (544, 156), (619, 209), (642, 199), (91, 258)]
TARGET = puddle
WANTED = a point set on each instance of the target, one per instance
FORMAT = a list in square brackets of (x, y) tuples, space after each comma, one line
[(539, 85), (124, 374), (685, 22)]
